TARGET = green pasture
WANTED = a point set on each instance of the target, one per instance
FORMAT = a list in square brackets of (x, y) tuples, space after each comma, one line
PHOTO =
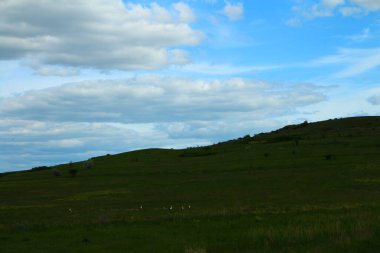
[(312, 187)]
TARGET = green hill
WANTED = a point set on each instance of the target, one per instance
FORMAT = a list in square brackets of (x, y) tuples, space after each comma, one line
[(312, 187)]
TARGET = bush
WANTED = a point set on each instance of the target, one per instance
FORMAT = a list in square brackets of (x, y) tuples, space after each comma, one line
[(89, 164), (40, 168), (73, 172)]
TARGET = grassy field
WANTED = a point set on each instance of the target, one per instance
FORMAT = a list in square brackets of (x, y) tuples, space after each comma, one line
[(313, 187)]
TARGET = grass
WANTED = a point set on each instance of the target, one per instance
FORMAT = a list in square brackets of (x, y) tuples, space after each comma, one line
[(304, 188)]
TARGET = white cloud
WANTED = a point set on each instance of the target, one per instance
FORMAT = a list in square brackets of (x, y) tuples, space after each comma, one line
[(332, 3), (350, 11), (324, 8), (346, 101), (96, 34), (327, 8), (225, 69), (214, 69), (186, 14), (54, 70), (356, 61), (155, 99), (367, 5), (233, 11), (109, 116)]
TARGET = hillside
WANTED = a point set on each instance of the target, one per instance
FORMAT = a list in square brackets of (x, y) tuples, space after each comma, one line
[(312, 187)]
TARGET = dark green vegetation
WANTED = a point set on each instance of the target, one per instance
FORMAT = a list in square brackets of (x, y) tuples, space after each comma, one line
[(304, 188)]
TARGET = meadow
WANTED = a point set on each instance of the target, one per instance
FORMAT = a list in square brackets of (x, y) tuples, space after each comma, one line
[(311, 187)]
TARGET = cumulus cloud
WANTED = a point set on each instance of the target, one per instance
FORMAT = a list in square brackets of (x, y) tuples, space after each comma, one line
[(96, 34), (109, 116), (233, 11), (186, 14)]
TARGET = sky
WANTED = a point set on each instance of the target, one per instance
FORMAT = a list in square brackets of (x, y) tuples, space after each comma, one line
[(85, 78)]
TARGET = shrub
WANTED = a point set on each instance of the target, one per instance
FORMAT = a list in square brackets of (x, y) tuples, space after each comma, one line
[(40, 168), (304, 124), (73, 172), (89, 164)]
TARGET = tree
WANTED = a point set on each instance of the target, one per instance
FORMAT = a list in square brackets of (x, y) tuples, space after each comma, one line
[(89, 164)]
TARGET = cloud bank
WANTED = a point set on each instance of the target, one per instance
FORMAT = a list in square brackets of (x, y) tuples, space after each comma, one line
[(91, 118), (147, 99)]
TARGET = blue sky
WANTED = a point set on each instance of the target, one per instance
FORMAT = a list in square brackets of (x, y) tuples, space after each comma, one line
[(84, 78)]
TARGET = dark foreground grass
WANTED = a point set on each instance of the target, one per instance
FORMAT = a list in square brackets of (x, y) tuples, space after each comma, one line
[(305, 188), (341, 230)]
